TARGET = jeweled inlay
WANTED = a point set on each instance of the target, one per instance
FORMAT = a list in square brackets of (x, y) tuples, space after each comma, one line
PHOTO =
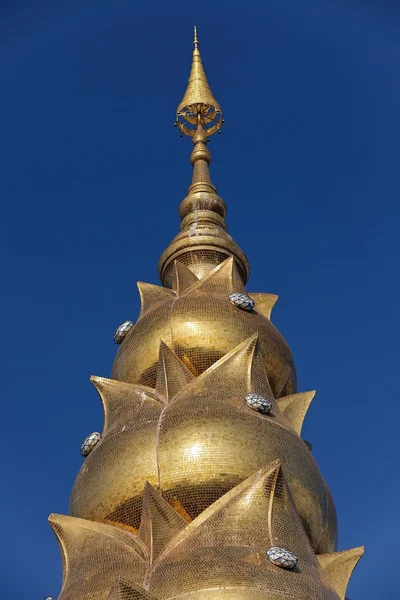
[(258, 403), (242, 301), (90, 442), (121, 331), (282, 558)]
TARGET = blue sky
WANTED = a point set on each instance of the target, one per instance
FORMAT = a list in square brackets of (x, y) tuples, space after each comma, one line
[(91, 175)]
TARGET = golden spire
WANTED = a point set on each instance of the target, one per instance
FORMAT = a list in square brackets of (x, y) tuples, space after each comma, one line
[(198, 104), (203, 242)]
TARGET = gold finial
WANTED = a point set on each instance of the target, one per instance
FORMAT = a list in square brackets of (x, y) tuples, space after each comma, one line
[(203, 242), (198, 107)]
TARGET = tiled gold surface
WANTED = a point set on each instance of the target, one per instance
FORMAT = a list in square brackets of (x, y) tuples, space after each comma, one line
[(222, 553), (197, 439), (201, 326), (190, 487)]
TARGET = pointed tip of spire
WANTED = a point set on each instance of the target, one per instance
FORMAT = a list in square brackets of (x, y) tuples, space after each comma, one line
[(198, 105)]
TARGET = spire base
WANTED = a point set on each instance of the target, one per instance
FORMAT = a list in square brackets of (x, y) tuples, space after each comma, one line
[(201, 248), (203, 242)]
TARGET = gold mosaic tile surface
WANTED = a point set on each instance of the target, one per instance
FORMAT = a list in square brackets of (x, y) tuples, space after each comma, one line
[(190, 485)]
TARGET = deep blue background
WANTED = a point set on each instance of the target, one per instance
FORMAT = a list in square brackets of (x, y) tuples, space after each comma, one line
[(91, 175)]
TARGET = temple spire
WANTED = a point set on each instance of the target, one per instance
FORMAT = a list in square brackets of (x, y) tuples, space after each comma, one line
[(203, 242), (198, 105)]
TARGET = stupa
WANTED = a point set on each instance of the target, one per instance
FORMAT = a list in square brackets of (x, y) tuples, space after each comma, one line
[(200, 485)]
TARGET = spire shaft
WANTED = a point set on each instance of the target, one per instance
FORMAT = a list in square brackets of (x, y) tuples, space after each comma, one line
[(200, 159), (203, 242)]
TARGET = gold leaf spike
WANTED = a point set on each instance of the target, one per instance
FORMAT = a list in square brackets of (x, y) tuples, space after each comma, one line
[(337, 568), (159, 523), (172, 374), (128, 591), (121, 400), (152, 295), (236, 371), (182, 278), (295, 408), (264, 303), (223, 279), (257, 512), (84, 545)]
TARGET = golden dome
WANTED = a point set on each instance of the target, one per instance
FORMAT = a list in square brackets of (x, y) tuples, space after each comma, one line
[(200, 324), (196, 438), (222, 553)]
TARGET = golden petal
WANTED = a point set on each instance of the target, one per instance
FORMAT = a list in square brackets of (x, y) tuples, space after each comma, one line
[(92, 553), (258, 513), (172, 374), (295, 408), (182, 278), (240, 371), (121, 400), (223, 279), (152, 295), (160, 522), (337, 568), (264, 303)]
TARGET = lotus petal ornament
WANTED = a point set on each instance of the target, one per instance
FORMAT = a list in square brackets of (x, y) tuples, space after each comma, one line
[(217, 554)]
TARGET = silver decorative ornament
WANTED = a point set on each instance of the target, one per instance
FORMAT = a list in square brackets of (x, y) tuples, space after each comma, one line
[(90, 442), (121, 331), (242, 301), (258, 403), (282, 558)]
